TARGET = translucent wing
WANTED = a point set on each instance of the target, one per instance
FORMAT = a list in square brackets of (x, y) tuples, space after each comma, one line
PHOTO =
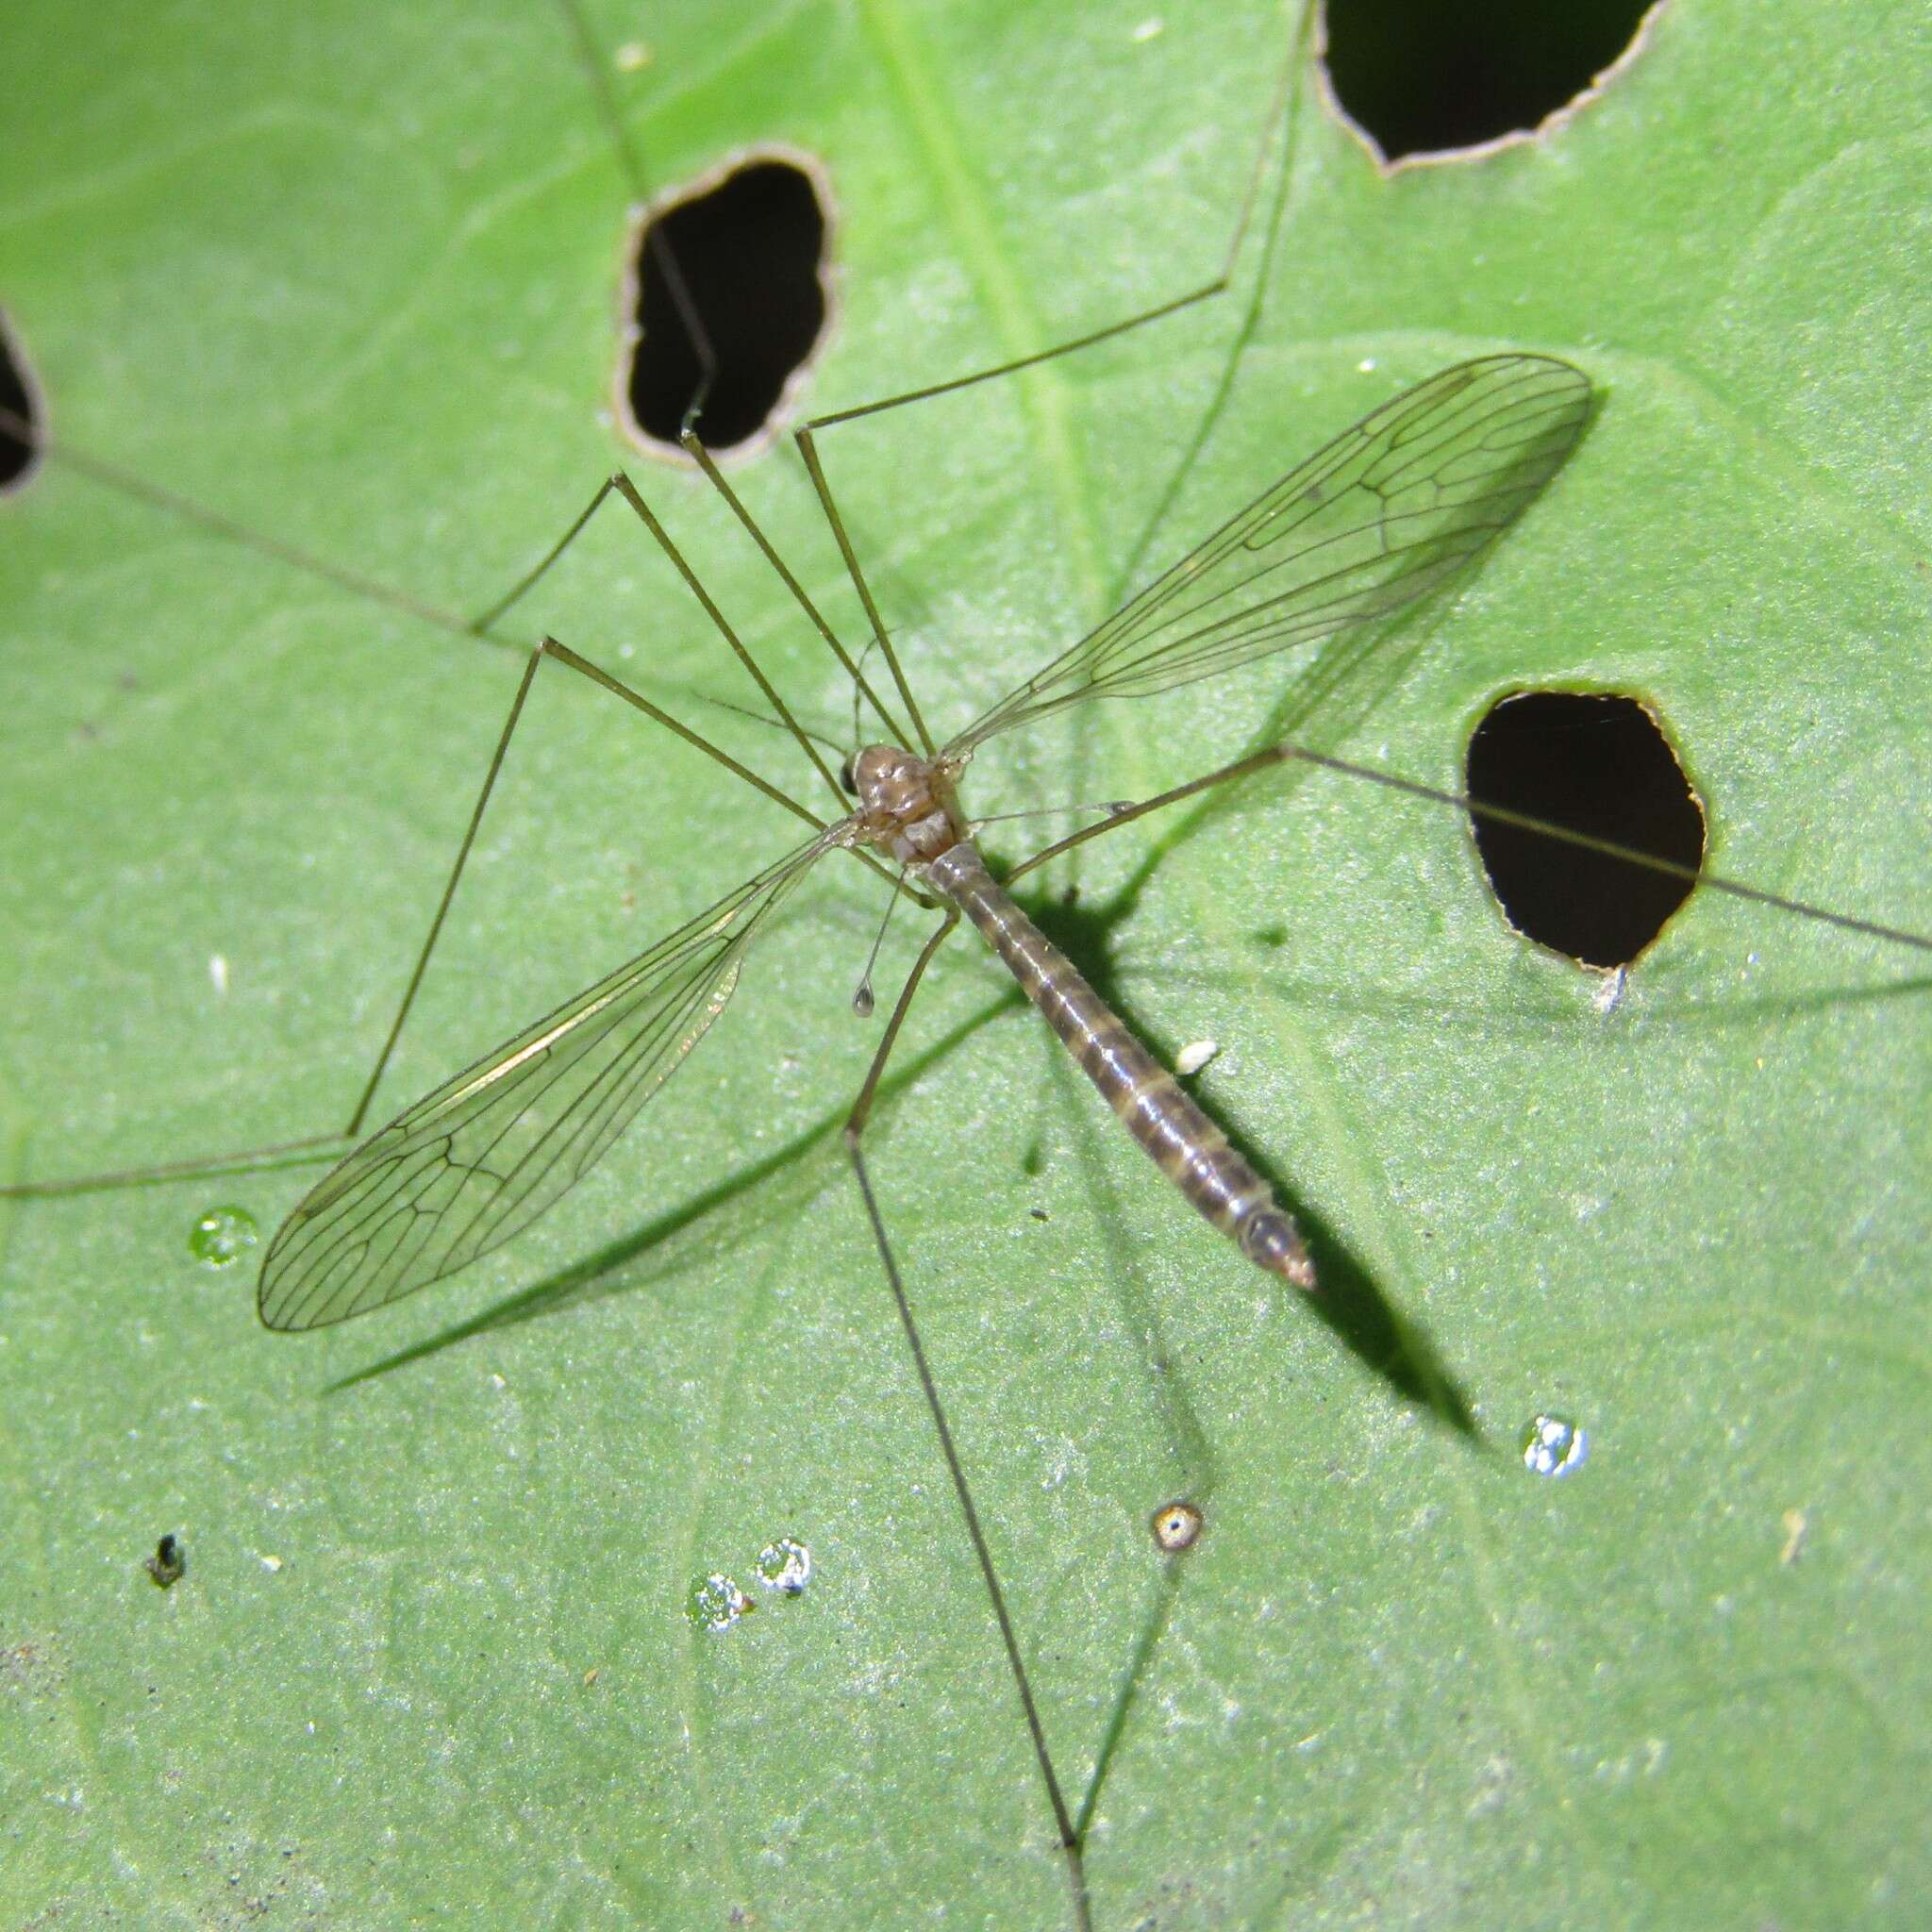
[(476, 1161), (1380, 516)]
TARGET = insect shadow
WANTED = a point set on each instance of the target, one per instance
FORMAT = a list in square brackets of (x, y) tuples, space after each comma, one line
[(1353, 1305)]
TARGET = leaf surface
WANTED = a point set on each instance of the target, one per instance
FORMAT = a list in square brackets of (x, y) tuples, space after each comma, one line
[(347, 279)]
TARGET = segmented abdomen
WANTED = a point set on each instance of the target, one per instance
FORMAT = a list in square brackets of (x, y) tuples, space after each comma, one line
[(1188, 1148)]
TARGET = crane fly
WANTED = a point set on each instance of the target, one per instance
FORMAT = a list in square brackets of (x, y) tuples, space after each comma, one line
[(1379, 518), (1382, 515)]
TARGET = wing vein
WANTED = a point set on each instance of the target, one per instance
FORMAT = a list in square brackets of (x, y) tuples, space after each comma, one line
[(474, 1163)]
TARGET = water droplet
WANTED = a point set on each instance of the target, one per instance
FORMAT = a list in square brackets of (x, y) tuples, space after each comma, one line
[(863, 999), (716, 1603), (785, 1564), (223, 1236), (1178, 1526), (1552, 1445)]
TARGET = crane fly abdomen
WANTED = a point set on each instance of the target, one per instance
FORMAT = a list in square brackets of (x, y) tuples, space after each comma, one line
[(1185, 1145)]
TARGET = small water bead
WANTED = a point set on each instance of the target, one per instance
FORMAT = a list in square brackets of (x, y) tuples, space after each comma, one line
[(716, 1603), (785, 1564), (1553, 1445), (223, 1236)]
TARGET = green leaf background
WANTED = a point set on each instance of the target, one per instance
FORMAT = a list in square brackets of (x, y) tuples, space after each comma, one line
[(347, 276)]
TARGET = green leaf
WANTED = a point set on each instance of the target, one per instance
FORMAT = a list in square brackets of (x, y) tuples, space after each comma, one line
[(347, 277)]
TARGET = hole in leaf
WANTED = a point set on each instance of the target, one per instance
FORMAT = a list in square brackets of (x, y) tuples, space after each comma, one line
[(739, 257), (20, 412), (1602, 766), (1419, 77)]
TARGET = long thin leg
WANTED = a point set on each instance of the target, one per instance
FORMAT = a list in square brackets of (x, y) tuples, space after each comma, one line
[(563, 655), (860, 685), (593, 66), (548, 648), (810, 452), (1287, 109), (637, 178), (309, 1151), (855, 1128), (1071, 1831), (1215, 285), (618, 484), (1607, 848), (805, 437), (198, 516), (482, 628)]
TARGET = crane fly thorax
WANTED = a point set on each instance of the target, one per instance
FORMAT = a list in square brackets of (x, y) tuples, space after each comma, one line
[(906, 806)]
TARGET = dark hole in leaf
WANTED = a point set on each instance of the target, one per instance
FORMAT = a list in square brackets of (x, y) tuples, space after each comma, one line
[(1596, 765), (1420, 77), (19, 417), (743, 256)]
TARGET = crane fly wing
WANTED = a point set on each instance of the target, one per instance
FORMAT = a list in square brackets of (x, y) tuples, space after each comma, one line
[(477, 1160), (1376, 519)]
